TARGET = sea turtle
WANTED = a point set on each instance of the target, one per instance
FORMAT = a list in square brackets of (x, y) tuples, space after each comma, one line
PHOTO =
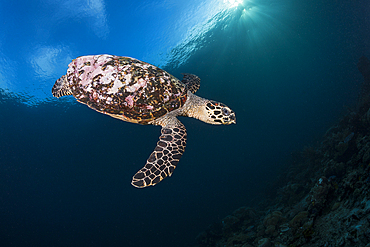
[(138, 92)]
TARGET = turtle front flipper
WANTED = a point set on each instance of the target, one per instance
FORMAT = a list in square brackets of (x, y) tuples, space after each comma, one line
[(192, 82), (61, 87), (163, 160)]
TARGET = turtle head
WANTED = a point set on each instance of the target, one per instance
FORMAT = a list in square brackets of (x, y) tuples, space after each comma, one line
[(217, 113), (208, 111)]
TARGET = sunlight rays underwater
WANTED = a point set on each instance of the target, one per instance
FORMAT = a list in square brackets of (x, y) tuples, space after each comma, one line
[(247, 25)]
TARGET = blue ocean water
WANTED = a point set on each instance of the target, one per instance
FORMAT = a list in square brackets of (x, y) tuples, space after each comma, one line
[(287, 68)]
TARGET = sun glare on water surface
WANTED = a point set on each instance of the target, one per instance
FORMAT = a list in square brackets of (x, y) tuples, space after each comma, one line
[(233, 3)]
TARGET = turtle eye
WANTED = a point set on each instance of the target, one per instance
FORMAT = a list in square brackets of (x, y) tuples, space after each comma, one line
[(225, 111)]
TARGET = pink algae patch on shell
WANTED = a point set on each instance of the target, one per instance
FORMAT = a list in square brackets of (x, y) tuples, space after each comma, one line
[(141, 83), (130, 101), (92, 66)]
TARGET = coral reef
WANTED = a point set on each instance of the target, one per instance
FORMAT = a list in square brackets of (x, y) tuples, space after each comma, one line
[(323, 197)]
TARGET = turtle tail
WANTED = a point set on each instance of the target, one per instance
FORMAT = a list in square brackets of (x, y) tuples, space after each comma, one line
[(61, 87)]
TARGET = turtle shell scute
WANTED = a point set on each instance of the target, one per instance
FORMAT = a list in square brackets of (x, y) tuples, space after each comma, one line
[(125, 87)]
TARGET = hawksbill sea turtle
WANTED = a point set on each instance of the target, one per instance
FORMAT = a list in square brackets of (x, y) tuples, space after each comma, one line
[(137, 92)]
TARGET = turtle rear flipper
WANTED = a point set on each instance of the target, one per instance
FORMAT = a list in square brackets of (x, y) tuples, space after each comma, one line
[(61, 87), (163, 160), (192, 82)]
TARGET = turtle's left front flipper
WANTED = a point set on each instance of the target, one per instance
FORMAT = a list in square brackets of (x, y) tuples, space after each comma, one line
[(163, 160)]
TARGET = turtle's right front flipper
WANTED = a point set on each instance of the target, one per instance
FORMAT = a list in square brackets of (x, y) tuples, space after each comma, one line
[(61, 87), (163, 160), (192, 82)]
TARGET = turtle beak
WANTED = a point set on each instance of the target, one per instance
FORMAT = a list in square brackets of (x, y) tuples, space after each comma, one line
[(233, 118), (229, 118)]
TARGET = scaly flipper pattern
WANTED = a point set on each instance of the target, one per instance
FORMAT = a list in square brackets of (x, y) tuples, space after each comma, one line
[(61, 87), (192, 82), (163, 160)]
